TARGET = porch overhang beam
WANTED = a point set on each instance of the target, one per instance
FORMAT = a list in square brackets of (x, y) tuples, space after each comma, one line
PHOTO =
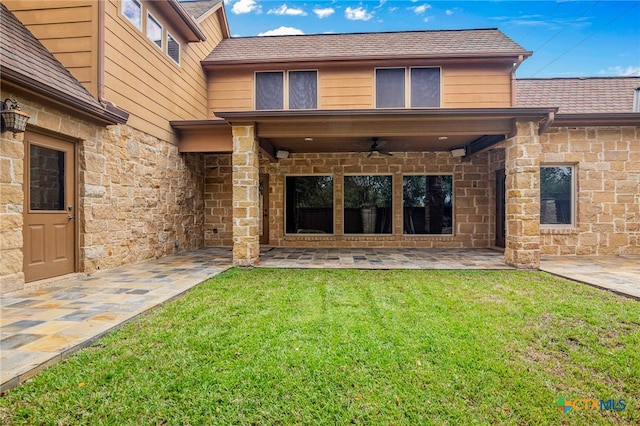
[(385, 122), (597, 119), (482, 144)]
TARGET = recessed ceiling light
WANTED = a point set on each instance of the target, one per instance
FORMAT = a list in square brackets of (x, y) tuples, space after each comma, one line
[(308, 139), (443, 138)]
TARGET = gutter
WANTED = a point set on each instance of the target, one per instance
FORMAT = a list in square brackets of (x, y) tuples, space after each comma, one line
[(598, 119)]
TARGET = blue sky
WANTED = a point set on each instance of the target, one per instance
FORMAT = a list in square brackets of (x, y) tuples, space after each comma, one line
[(569, 38)]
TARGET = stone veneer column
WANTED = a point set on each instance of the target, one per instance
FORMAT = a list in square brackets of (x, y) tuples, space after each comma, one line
[(246, 208), (522, 166)]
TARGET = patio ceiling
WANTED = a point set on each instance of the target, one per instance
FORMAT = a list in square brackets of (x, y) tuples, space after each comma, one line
[(402, 130)]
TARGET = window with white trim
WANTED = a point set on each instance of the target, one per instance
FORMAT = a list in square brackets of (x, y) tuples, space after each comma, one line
[(173, 48), (557, 189), (424, 87), (154, 30), (132, 10)]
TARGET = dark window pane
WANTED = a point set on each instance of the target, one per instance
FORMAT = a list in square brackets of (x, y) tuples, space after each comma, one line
[(427, 204), (269, 89), (555, 195), (309, 204), (303, 90), (46, 177), (390, 88), (425, 87), (173, 49), (367, 204)]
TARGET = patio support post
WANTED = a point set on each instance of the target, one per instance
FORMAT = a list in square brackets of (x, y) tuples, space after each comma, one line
[(522, 166), (245, 176)]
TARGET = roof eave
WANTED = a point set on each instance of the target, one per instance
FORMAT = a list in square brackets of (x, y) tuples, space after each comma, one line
[(104, 115), (258, 61), (597, 119), (191, 28)]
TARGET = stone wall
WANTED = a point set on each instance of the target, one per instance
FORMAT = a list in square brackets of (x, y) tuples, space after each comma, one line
[(11, 208), (470, 204), (607, 166), (139, 199), (218, 206), (136, 194)]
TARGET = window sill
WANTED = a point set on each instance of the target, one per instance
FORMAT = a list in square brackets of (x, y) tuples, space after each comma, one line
[(564, 230)]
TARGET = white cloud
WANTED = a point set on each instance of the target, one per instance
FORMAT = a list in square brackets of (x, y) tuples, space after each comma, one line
[(449, 12), (245, 6), (286, 10), (382, 2), (357, 14), (282, 31), (324, 13), (419, 10), (629, 71)]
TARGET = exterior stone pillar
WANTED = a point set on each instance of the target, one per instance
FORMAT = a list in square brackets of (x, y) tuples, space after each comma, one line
[(246, 208), (522, 167)]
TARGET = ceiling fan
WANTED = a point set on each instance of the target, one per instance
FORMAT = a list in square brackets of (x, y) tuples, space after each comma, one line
[(376, 146)]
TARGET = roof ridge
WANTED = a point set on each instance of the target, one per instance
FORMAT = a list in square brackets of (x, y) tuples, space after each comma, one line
[(370, 32)]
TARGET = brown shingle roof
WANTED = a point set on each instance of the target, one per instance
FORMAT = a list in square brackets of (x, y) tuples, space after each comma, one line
[(322, 47), (197, 8), (578, 95), (26, 62)]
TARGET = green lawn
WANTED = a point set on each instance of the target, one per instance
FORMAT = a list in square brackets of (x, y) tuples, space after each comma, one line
[(261, 346)]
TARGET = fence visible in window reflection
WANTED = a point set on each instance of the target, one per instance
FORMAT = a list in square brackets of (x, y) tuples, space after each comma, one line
[(367, 205), (427, 204), (555, 195), (309, 204)]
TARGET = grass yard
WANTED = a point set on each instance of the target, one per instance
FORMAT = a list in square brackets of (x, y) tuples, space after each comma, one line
[(266, 346)]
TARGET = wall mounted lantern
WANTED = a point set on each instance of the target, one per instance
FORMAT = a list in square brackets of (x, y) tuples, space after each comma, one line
[(13, 120), (458, 152)]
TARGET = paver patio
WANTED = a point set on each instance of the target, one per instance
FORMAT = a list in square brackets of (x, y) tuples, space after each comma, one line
[(39, 327)]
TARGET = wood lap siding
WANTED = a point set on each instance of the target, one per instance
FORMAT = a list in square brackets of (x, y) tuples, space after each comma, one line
[(143, 80), (68, 29), (346, 88), (479, 87), (231, 90)]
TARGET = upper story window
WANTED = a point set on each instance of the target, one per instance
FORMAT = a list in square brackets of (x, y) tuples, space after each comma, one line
[(154, 30), (302, 90), (557, 201), (132, 10), (173, 49), (391, 88)]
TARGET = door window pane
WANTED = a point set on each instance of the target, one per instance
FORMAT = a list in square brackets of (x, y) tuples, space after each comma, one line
[(303, 89), (269, 90), (427, 204), (556, 191), (425, 87), (390, 88), (367, 204), (309, 204), (46, 177)]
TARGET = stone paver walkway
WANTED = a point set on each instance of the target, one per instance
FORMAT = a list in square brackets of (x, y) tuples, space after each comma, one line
[(620, 274), (388, 258), (40, 327)]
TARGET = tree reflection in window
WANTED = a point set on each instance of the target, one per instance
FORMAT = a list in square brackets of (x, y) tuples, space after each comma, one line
[(427, 204), (309, 204), (556, 203), (367, 204)]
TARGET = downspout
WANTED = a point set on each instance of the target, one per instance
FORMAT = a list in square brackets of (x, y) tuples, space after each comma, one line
[(516, 65), (101, 26)]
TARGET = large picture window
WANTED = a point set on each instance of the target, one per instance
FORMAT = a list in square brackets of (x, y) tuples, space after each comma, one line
[(427, 204), (309, 204), (367, 204), (556, 195)]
